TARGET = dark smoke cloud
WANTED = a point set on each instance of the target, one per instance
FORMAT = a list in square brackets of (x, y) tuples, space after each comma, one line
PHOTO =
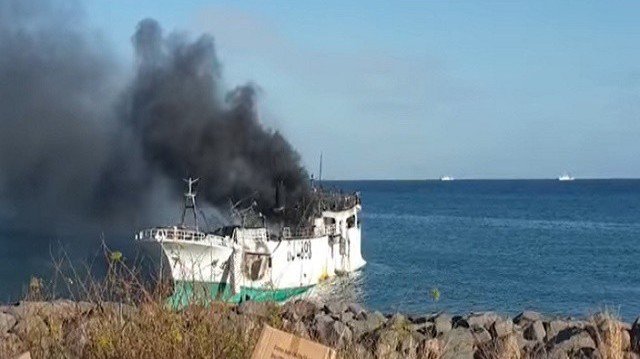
[(56, 90), (188, 125), (85, 144), (74, 144)]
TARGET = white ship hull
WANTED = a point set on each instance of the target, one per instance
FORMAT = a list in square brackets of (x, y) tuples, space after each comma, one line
[(250, 265)]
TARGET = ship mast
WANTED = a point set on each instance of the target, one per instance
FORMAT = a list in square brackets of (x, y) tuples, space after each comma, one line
[(320, 171), (190, 202)]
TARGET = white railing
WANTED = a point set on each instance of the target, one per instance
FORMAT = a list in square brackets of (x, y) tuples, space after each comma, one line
[(251, 234), (176, 234), (302, 232)]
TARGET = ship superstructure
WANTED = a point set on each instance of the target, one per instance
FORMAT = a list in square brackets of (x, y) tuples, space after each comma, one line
[(258, 260)]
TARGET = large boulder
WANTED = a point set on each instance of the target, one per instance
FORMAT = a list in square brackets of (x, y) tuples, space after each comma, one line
[(397, 321), (528, 316), (635, 336), (339, 334), (331, 332), (442, 324), (557, 353), (425, 328), (62, 309), (480, 334), (335, 307), (535, 331), (346, 317), (459, 344), (459, 322), (396, 338), (7, 321), (24, 309), (358, 311), (386, 342), (296, 327), (501, 328), (368, 324), (485, 319), (572, 340), (299, 310), (554, 327), (533, 349), (321, 323)]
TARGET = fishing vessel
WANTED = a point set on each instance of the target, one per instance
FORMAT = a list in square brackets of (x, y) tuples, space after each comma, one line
[(256, 259), (446, 178), (565, 177)]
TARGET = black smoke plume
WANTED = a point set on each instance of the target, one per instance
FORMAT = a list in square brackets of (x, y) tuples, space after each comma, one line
[(188, 125), (70, 147), (88, 146), (57, 86)]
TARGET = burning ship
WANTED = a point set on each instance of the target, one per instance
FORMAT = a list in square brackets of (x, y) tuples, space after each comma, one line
[(260, 259)]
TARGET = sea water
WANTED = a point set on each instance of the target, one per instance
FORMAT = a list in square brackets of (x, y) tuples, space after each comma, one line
[(567, 248)]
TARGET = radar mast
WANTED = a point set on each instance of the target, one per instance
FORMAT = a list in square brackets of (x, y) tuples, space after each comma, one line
[(190, 202)]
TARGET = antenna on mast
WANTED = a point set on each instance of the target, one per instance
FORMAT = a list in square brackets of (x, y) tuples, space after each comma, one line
[(320, 171), (190, 201)]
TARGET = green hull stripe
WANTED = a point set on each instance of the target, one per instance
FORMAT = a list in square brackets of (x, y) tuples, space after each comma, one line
[(185, 293)]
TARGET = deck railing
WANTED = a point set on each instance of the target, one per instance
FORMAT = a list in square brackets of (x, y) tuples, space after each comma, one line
[(302, 232), (177, 234), (251, 234)]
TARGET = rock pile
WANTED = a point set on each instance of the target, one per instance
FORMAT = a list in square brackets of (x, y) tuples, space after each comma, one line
[(478, 335), (372, 334)]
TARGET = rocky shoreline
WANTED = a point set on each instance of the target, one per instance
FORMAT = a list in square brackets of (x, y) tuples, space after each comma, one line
[(353, 330)]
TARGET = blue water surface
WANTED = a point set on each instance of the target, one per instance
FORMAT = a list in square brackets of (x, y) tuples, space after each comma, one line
[(567, 248)]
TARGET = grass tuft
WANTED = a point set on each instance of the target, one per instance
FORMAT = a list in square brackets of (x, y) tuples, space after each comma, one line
[(611, 338)]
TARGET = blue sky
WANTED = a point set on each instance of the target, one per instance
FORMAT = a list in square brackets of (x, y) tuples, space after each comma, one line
[(413, 90)]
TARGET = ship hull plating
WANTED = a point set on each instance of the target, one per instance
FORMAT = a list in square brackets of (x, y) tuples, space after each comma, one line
[(252, 265)]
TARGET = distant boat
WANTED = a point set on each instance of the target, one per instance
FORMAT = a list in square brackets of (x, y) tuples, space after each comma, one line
[(446, 178), (565, 177)]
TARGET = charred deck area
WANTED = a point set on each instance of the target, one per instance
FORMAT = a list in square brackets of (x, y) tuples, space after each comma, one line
[(300, 214)]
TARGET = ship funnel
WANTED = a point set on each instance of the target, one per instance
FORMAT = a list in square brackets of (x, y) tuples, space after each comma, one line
[(280, 197)]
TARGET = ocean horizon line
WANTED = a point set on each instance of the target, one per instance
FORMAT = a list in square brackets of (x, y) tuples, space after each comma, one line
[(481, 179)]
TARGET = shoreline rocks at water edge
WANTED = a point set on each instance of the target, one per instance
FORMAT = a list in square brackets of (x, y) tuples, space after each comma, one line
[(368, 334)]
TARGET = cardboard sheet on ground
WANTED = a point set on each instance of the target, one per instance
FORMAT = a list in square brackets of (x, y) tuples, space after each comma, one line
[(276, 344)]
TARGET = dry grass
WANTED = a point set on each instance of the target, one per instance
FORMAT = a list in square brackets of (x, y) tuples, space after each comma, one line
[(150, 332), (611, 338), (431, 349), (122, 316)]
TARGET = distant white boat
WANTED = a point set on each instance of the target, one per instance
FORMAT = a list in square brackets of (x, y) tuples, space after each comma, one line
[(565, 177), (446, 178)]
